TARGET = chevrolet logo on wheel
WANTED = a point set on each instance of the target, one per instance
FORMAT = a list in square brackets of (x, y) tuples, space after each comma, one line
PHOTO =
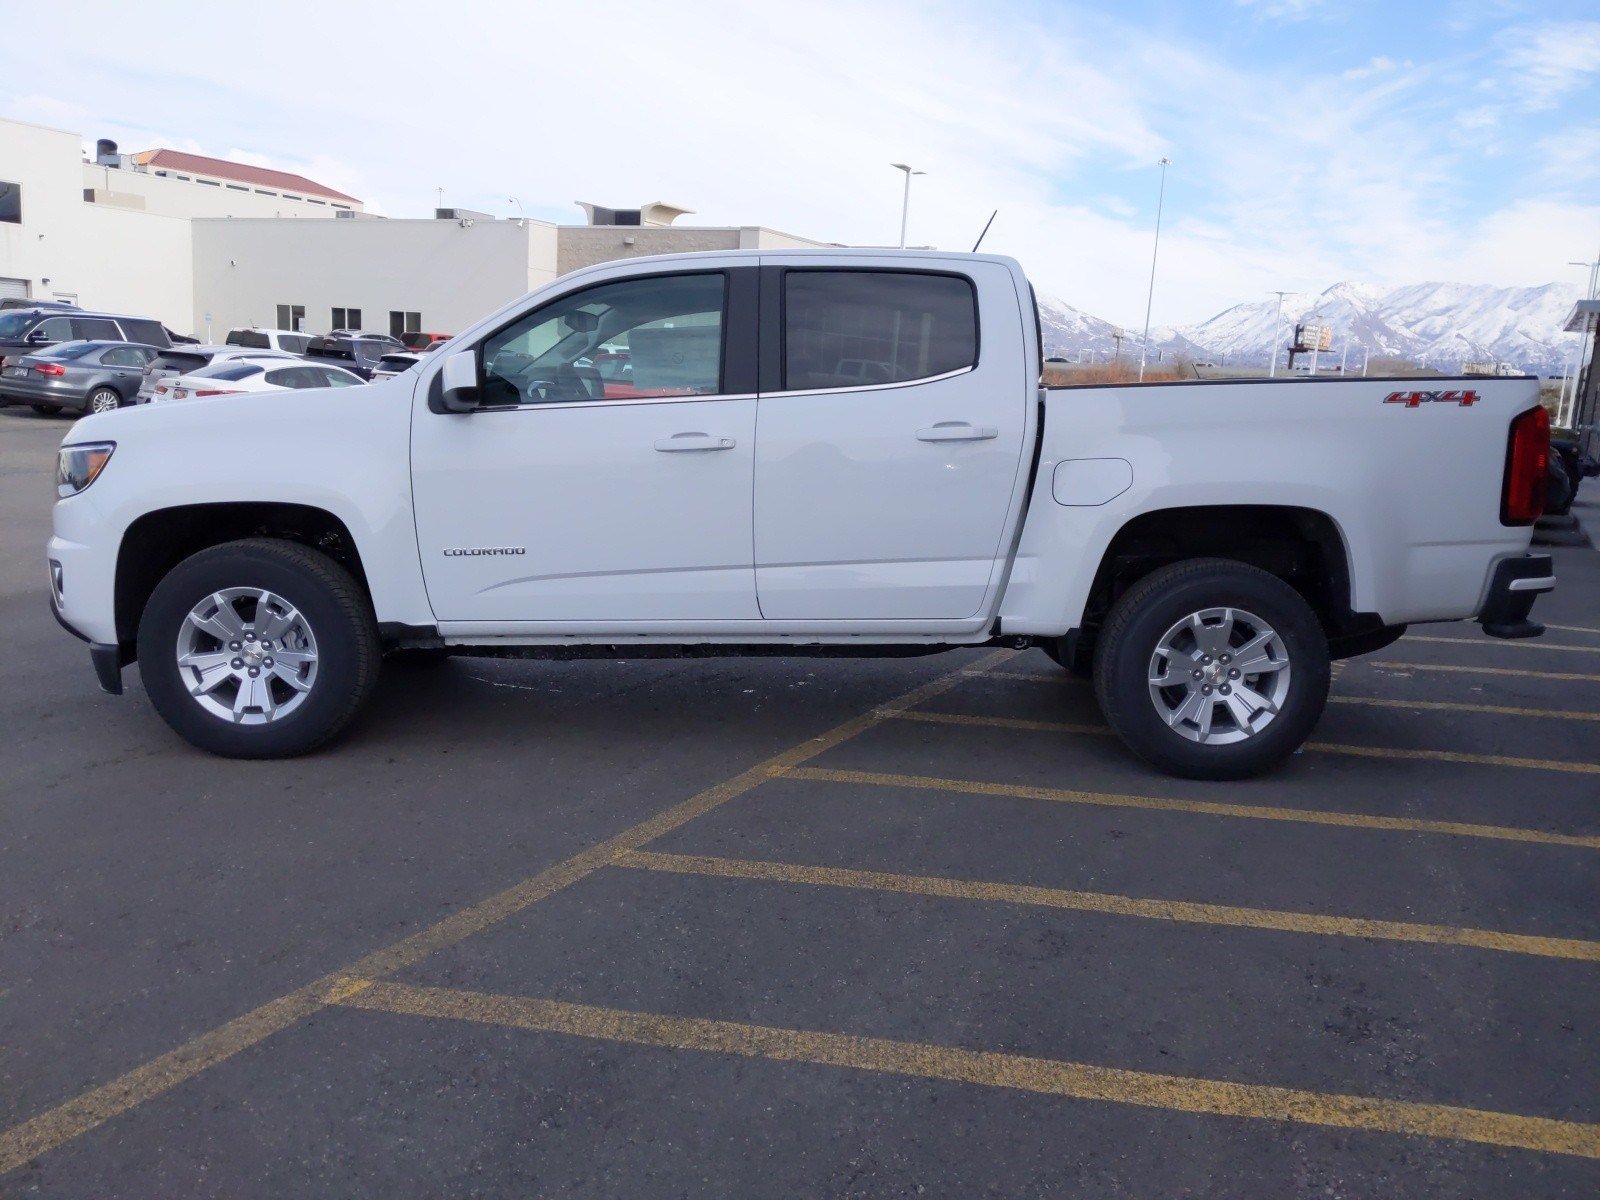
[(1417, 399)]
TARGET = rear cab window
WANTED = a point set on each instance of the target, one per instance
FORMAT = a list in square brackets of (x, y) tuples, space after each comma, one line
[(250, 339), (865, 328)]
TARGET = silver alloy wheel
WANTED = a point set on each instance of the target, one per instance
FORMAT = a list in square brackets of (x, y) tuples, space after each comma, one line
[(247, 655), (104, 400), (1220, 675)]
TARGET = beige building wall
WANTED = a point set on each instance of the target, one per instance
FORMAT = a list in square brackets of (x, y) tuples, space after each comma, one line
[(450, 273), (165, 195), (65, 248), (585, 245)]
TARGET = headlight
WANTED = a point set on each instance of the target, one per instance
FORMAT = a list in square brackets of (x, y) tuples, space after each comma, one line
[(79, 466)]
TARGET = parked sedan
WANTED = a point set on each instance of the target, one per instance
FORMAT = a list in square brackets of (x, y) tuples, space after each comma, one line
[(185, 360), (258, 373), (81, 376)]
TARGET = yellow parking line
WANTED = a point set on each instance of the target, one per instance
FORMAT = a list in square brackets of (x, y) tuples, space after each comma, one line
[(1498, 710), (1112, 905), (985, 1068), (1454, 756), (1257, 812), (1503, 643), (1464, 669), (51, 1128)]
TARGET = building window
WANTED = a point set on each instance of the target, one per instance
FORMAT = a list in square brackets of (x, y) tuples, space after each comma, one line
[(347, 318), (11, 202), (292, 317), (404, 322)]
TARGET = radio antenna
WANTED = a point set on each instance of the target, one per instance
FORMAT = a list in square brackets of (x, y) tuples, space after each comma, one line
[(985, 232)]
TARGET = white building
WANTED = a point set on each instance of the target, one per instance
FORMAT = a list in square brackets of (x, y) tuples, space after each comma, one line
[(206, 245)]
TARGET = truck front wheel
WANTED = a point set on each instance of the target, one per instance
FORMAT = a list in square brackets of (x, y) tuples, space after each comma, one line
[(1212, 669), (258, 649)]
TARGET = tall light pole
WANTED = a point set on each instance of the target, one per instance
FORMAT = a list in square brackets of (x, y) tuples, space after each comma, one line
[(905, 201), (1564, 407), (1150, 295), (1277, 324)]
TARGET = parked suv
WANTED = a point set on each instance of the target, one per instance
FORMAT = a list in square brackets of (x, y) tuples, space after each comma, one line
[(82, 376), (359, 353), (29, 330), (183, 360), (286, 340)]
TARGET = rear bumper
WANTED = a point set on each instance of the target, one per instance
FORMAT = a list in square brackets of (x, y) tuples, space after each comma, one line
[(1514, 586), (27, 391)]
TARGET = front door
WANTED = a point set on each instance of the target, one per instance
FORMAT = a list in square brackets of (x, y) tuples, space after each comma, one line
[(890, 443), (607, 474)]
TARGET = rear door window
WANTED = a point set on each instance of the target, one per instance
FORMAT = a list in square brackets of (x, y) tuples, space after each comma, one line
[(96, 328), (123, 356), (856, 328)]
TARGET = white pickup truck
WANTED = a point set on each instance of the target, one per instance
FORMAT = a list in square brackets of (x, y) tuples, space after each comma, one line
[(834, 452)]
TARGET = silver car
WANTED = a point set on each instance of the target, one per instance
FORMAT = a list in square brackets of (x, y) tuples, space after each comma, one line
[(76, 376)]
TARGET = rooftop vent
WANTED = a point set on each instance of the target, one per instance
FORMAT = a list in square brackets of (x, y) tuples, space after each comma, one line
[(657, 213), (105, 153)]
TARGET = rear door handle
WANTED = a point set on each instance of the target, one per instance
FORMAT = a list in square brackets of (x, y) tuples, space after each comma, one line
[(693, 441), (957, 431)]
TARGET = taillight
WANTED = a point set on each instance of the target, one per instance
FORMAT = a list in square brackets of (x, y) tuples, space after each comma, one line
[(1527, 461), (218, 392), (50, 368)]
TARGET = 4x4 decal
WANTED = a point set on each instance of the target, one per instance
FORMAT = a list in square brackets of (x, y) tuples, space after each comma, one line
[(1416, 399)]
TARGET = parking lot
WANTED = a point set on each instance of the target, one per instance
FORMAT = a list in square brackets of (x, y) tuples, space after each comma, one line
[(791, 928)]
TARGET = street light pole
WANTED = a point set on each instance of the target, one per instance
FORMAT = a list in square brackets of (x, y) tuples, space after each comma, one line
[(1144, 345), (905, 200), (1277, 323)]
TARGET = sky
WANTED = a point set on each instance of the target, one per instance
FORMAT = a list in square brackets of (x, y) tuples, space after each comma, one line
[(1311, 141)]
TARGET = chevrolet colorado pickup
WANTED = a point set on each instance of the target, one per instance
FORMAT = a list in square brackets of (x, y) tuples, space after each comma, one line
[(836, 452)]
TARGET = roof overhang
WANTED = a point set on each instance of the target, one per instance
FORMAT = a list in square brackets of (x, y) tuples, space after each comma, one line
[(1584, 317)]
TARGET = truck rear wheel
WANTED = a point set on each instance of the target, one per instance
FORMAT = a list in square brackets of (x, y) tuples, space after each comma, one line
[(1212, 669), (258, 649)]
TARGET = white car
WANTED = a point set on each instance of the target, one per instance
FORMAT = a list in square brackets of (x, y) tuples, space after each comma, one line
[(255, 373), (1203, 548), (186, 359), (397, 363), (287, 340)]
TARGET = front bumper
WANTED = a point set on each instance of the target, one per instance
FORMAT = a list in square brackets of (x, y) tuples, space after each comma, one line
[(1514, 586), (108, 660)]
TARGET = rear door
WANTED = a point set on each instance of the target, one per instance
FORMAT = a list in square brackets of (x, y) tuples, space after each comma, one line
[(890, 437)]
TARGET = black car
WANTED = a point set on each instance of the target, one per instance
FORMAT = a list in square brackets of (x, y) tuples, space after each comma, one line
[(81, 376), (28, 330), (354, 352)]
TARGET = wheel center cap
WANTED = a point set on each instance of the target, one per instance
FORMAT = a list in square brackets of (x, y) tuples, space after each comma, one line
[(252, 654)]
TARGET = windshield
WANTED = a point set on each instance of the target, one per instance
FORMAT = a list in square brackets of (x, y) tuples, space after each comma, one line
[(228, 369), (66, 350), (15, 324)]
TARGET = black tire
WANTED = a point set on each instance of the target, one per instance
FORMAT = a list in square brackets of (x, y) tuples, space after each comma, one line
[(1142, 617), (333, 604), (46, 410), (102, 395), (1560, 488)]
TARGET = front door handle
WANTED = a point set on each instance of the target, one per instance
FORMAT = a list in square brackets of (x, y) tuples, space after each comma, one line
[(693, 441), (957, 431)]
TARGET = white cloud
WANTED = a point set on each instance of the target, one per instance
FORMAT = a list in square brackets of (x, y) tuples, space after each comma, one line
[(1545, 62)]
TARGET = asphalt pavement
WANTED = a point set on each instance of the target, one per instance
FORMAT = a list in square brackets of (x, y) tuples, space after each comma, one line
[(748, 928)]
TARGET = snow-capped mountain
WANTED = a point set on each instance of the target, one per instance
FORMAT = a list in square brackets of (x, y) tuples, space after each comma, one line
[(1439, 325)]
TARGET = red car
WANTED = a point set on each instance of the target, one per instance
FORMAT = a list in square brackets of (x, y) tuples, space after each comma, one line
[(424, 341)]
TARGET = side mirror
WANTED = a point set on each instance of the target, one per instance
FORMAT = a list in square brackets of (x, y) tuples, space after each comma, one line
[(36, 337), (458, 382)]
